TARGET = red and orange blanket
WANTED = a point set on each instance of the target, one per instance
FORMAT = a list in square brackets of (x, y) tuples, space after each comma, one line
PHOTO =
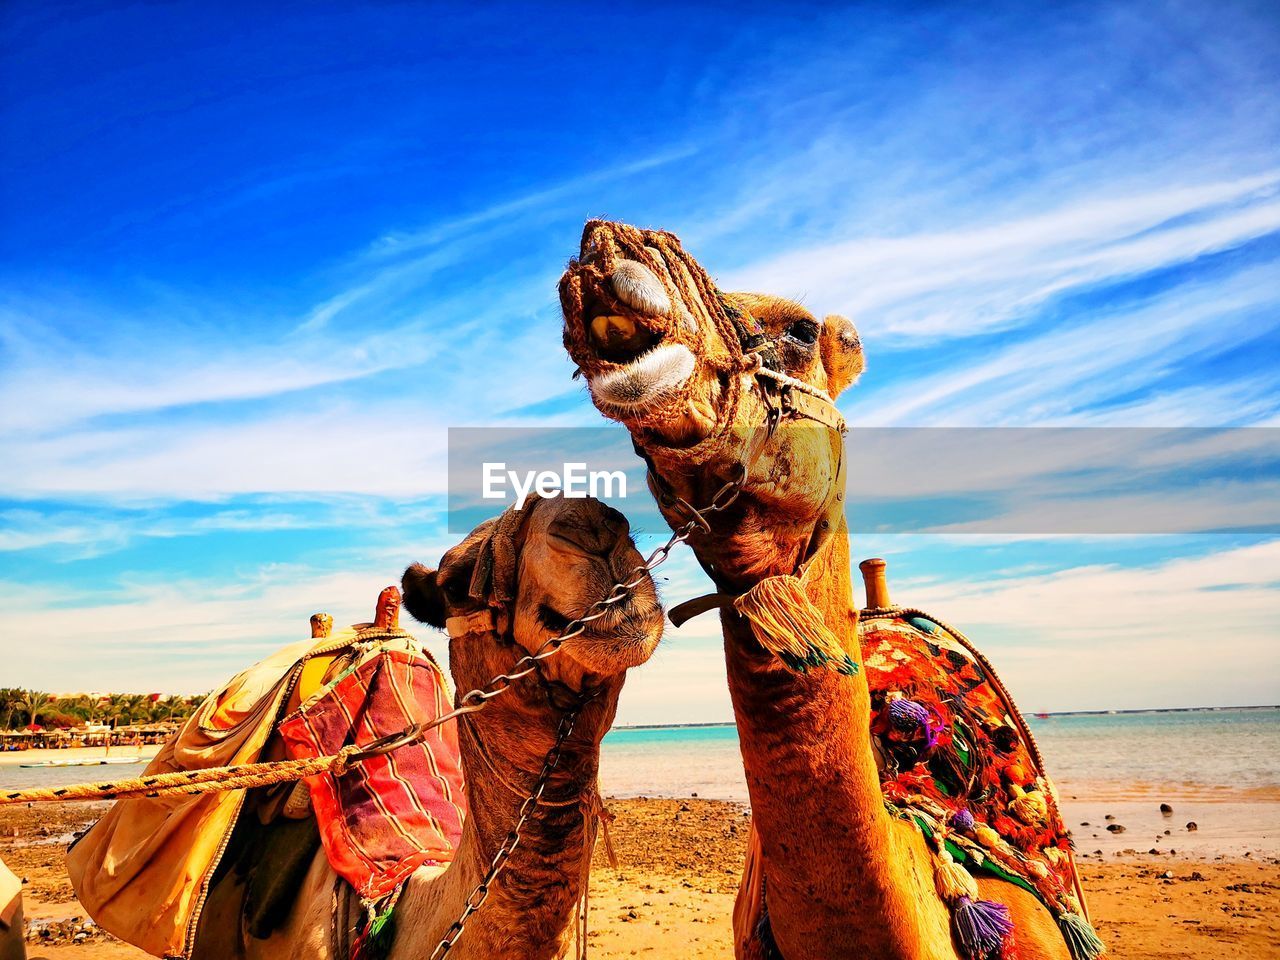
[(383, 818), (956, 757), (144, 871)]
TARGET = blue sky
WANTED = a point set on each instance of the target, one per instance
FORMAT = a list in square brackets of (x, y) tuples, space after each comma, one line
[(254, 262)]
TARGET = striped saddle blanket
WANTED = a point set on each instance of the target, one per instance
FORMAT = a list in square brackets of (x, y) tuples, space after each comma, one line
[(383, 818)]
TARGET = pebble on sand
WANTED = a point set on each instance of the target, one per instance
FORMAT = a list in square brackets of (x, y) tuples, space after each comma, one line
[(1166, 809), (1192, 826)]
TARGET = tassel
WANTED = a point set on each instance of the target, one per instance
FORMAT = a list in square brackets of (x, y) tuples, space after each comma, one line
[(787, 624), (953, 880), (1030, 808), (381, 935), (1082, 940), (981, 927), (962, 821), (910, 717), (598, 817), (610, 852), (987, 837), (764, 932), (376, 939)]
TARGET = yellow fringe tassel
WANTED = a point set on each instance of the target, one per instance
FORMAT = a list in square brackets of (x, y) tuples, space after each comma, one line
[(952, 880), (788, 625), (1030, 808)]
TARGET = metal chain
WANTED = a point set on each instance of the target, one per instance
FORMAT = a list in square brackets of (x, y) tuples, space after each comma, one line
[(476, 700), (479, 698), (510, 841)]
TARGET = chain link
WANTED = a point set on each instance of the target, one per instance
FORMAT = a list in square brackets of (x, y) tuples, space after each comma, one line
[(475, 700), (510, 841), (479, 698)]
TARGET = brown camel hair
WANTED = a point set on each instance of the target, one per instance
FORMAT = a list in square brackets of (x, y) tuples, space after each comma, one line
[(843, 877), (562, 557)]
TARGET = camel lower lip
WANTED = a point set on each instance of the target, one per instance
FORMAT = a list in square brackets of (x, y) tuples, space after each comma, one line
[(646, 380)]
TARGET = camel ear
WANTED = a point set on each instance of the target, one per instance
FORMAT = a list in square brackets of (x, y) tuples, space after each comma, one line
[(423, 597), (841, 353)]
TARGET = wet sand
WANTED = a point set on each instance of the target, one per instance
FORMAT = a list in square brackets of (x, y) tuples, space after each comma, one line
[(672, 894), (18, 758)]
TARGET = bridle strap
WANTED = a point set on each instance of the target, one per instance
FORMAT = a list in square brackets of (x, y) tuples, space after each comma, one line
[(479, 621), (682, 613), (489, 620), (828, 521), (467, 724)]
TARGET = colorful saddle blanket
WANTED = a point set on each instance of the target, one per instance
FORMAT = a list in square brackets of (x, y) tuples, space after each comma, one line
[(956, 757), (383, 818)]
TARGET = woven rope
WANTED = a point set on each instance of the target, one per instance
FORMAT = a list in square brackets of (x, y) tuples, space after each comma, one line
[(690, 289), (240, 777)]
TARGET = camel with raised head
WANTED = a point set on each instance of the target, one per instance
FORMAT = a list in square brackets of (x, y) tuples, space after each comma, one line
[(557, 557), (738, 389)]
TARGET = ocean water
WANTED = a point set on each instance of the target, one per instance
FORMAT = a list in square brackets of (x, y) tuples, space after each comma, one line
[(1220, 770), (17, 777), (1224, 753)]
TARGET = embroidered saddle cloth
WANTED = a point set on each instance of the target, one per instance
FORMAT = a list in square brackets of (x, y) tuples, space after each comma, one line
[(956, 757), (386, 816)]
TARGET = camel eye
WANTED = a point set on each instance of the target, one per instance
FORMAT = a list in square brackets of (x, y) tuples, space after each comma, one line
[(803, 331)]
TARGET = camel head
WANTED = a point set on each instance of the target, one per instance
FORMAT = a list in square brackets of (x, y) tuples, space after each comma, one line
[(529, 573), (672, 357)]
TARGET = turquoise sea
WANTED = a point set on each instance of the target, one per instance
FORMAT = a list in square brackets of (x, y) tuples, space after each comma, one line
[(1219, 769), (1205, 752), (1212, 752)]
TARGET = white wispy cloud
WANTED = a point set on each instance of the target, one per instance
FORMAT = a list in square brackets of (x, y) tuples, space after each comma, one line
[(1058, 376), (51, 381), (175, 636), (89, 530), (991, 276)]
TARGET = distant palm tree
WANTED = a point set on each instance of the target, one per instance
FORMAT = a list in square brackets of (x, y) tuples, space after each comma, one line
[(117, 708), (31, 702)]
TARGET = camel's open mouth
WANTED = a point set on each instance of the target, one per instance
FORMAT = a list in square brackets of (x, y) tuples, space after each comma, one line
[(636, 326), (637, 367)]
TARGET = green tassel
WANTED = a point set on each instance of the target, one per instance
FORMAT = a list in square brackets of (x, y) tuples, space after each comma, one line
[(1082, 940), (382, 934), (375, 941), (787, 624)]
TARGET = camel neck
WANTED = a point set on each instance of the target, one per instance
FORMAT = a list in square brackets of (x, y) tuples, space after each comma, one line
[(530, 909), (815, 791)]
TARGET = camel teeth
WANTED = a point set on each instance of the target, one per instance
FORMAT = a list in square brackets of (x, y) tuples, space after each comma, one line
[(600, 330), (614, 331)]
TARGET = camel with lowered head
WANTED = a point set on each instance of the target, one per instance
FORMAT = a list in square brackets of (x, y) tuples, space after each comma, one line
[(567, 555), (843, 877)]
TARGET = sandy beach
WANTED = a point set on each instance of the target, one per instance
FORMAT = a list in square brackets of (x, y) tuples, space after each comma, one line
[(678, 866)]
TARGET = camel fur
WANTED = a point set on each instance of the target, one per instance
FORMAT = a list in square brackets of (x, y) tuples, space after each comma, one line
[(553, 561), (841, 875)]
